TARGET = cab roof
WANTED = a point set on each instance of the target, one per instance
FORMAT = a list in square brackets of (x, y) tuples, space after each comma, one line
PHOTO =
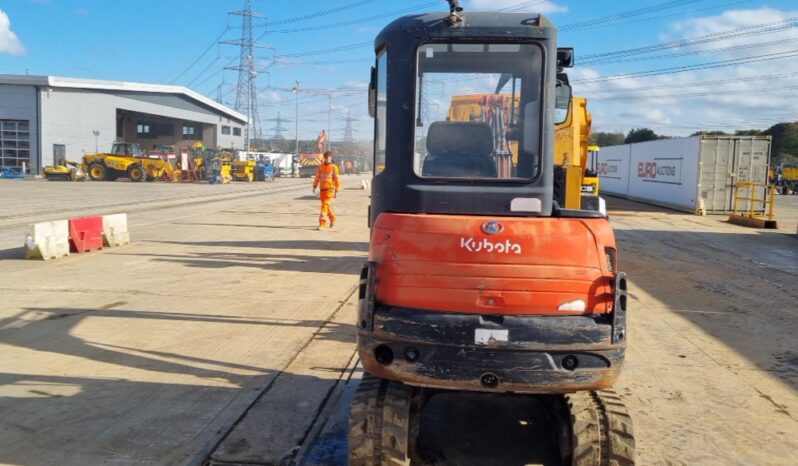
[(473, 25)]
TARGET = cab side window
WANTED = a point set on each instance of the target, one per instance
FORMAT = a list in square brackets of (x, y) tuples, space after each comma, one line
[(381, 113)]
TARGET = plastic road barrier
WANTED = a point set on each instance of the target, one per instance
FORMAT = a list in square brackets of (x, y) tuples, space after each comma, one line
[(47, 240), (86, 234), (115, 231)]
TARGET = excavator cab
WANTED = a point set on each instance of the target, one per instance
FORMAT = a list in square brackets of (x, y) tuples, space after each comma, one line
[(477, 279), (126, 149)]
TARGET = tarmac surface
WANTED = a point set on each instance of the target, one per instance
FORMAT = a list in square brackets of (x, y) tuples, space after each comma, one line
[(223, 334)]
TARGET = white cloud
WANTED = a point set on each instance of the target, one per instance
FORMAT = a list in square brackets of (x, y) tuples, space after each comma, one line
[(356, 84), (740, 98), (535, 6), (9, 42), (271, 97)]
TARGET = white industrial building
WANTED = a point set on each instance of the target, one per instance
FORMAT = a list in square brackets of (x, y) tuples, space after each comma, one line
[(44, 118)]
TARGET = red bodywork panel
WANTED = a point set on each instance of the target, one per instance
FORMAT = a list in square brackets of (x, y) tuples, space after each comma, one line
[(531, 267)]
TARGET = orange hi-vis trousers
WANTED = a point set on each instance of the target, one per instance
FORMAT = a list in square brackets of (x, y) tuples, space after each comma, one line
[(327, 196)]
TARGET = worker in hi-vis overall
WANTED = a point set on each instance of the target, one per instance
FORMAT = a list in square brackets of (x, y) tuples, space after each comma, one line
[(328, 181)]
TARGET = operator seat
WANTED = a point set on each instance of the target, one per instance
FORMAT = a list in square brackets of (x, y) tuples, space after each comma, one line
[(459, 150)]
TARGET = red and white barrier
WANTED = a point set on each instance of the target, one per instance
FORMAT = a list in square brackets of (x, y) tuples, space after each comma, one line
[(55, 239), (115, 231), (85, 234), (47, 240)]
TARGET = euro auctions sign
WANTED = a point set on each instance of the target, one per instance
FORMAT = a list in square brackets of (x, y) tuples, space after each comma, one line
[(660, 170), (609, 169)]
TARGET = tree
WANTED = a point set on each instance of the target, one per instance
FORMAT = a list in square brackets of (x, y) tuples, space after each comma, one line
[(710, 133), (641, 135), (748, 132), (602, 139), (784, 145)]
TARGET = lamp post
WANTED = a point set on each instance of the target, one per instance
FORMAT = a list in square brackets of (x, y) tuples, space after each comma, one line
[(329, 119), (294, 159), (96, 134)]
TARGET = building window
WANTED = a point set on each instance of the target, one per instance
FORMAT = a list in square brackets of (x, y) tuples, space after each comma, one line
[(14, 143), (236, 131), (192, 132), (145, 129), (225, 130)]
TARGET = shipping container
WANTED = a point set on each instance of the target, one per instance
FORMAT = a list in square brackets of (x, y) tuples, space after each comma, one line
[(695, 174)]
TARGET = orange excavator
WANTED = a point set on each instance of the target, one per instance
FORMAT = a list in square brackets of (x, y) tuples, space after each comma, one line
[(309, 162), (480, 278)]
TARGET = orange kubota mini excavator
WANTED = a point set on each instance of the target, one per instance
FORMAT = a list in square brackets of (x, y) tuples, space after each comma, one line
[(477, 278)]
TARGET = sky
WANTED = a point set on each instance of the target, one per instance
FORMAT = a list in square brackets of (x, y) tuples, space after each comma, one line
[(676, 66)]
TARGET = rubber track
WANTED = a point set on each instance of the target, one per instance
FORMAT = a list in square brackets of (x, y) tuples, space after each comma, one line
[(379, 422), (602, 433)]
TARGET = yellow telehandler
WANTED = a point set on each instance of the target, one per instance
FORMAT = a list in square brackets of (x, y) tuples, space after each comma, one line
[(127, 160)]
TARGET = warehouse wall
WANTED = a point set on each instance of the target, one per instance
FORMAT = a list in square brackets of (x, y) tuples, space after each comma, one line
[(173, 138), (18, 102), (175, 106), (70, 116), (230, 141)]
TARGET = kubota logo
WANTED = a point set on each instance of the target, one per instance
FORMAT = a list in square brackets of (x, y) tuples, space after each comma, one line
[(492, 228), (486, 245)]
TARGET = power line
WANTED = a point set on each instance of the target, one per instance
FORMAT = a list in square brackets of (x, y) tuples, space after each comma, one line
[(685, 68), (327, 62), (204, 70), (687, 13), (354, 21), (199, 57), (736, 33), (325, 51), (318, 14), (359, 44), (694, 52), (522, 5), (625, 14), (693, 84), (389, 14), (693, 94)]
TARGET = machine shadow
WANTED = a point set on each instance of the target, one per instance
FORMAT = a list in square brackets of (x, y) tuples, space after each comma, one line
[(301, 245), (217, 255), (280, 227), (746, 307), (458, 429), (179, 405), (100, 420), (21, 330), (347, 265), (470, 429)]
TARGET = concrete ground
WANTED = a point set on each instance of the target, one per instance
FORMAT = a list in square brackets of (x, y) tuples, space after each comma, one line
[(223, 335), (149, 353)]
